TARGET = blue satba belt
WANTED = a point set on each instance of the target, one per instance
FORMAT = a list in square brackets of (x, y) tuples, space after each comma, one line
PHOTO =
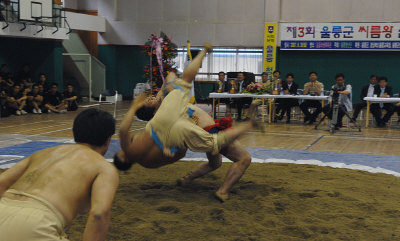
[(159, 143), (173, 85), (214, 130)]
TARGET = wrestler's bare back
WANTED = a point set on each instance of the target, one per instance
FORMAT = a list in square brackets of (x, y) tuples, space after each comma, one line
[(145, 151), (64, 176)]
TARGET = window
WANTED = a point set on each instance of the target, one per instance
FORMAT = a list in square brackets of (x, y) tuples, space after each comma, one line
[(226, 60)]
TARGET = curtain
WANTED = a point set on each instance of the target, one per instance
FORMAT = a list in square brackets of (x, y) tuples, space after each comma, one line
[(226, 60)]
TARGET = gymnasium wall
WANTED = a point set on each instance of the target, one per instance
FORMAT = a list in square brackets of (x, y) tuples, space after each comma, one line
[(71, 4), (42, 55), (240, 23), (225, 22), (124, 67), (339, 10), (222, 22)]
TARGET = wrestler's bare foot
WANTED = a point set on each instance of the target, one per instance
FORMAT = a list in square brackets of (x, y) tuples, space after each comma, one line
[(222, 197), (183, 181), (258, 125), (208, 46), (252, 111), (255, 124)]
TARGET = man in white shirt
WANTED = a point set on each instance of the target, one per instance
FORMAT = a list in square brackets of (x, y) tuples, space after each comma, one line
[(367, 91), (313, 88)]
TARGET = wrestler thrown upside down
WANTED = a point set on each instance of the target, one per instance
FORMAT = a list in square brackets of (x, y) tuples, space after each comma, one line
[(175, 126)]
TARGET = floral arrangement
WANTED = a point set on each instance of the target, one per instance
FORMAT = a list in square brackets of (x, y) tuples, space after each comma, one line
[(161, 52), (256, 88)]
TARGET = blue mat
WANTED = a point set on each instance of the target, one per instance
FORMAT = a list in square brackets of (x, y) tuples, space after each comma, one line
[(387, 162), (27, 149)]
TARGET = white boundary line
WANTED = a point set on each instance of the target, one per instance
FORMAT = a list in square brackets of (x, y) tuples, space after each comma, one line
[(309, 162), (313, 162)]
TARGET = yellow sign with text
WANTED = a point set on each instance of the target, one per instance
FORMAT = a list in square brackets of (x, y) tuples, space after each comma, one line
[(270, 38)]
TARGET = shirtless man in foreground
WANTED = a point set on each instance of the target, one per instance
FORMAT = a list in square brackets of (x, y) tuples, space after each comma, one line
[(143, 147), (41, 195)]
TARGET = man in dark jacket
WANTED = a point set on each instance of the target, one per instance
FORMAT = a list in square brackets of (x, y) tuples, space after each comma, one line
[(241, 84), (225, 88), (367, 91), (384, 91), (289, 87)]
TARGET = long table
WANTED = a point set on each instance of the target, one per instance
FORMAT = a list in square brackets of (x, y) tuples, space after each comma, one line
[(370, 100), (218, 96)]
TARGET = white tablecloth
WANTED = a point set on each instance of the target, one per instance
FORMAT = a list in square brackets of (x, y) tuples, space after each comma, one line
[(382, 100), (267, 96)]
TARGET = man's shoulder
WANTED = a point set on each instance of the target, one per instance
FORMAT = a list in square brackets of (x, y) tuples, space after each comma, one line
[(98, 161), (107, 167)]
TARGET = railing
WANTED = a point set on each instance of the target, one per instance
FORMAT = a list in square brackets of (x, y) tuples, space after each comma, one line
[(96, 71), (99, 76), (9, 12)]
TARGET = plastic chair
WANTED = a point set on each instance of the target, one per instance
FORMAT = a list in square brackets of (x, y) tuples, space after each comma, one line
[(110, 93)]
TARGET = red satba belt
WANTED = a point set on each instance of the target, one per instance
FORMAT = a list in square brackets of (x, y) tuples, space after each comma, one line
[(222, 124)]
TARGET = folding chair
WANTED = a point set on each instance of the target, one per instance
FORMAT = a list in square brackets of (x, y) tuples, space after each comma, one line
[(109, 93)]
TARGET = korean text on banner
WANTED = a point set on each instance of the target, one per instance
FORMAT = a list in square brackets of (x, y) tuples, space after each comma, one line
[(340, 36), (270, 38)]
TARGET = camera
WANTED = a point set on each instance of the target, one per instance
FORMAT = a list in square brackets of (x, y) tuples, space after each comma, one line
[(335, 93)]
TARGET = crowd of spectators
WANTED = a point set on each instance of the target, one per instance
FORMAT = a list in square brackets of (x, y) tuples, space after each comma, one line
[(21, 94)]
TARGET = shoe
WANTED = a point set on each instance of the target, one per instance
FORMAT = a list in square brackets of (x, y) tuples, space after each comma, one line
[(39, 111), (238, 119), (63, 111), (49, 111), (24, 112), (381, 124), (18, 112), (306, 118), (34, 111), (312, 120), (279, 117), (246, 119)]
